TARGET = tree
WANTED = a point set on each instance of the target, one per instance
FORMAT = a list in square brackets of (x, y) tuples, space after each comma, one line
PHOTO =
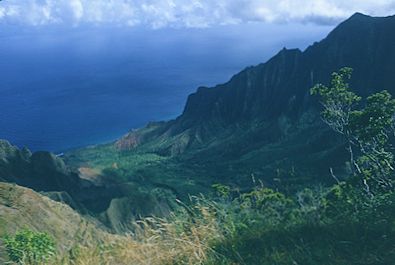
[(366, 127)]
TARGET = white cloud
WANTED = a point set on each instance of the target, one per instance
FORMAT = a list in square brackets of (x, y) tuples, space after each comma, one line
[(78, 9), (185, 13)]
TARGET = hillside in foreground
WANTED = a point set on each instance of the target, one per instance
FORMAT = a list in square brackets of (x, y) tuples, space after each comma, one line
[(81, 240), (260, 227)]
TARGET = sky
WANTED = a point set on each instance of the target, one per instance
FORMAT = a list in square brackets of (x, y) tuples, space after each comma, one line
[(184, 13)]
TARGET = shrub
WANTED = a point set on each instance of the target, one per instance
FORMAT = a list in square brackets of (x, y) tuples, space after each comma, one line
[(29, 247)]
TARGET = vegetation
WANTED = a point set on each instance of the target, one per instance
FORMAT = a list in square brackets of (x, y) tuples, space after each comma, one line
[(29, 247), (322, 226), (366, 129)]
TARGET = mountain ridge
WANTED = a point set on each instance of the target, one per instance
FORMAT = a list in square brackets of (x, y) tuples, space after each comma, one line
[(280, 87)]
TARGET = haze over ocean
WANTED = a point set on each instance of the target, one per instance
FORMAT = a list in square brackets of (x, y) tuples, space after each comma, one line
[(62, 88)]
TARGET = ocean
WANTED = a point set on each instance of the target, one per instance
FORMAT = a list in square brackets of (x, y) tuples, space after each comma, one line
[(63, 88)]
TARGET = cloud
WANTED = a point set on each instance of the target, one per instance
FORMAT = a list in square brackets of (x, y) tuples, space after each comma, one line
[(185, 13)]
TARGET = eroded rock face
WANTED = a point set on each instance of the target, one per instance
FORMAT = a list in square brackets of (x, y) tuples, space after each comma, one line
[(138, 136), (255, 93), (129, 141)]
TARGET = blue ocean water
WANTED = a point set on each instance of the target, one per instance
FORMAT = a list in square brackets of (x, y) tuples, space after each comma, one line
[(63, 88)]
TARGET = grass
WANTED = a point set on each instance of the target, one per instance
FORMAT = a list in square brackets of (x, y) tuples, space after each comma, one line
[(262, 227), (183, 239)]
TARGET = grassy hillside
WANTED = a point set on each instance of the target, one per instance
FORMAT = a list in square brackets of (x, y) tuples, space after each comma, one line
[(333, 226), (180, 239), (21, 207)]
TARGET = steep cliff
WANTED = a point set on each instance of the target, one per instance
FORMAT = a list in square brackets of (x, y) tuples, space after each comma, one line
[(264, 121), (276, 94)]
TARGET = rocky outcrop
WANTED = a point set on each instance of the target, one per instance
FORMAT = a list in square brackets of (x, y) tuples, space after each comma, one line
[(41, 171), (137, 136)]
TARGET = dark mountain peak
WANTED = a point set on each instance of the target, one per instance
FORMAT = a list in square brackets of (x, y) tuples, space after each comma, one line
[(359, 15), (285, 55), (363, 17), (357, 22), (361, 23), (289, 51)]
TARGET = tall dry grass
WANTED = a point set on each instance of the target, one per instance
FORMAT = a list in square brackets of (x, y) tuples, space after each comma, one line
[(185, 238)]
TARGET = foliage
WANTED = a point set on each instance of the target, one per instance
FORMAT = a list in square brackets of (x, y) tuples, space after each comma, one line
[(221, 190), (366, 128), (30, 247), (326, 226), (338, 101), (317, 226), (372, 127)]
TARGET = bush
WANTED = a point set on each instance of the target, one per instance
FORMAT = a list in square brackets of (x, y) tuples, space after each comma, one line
[(29, 247)]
